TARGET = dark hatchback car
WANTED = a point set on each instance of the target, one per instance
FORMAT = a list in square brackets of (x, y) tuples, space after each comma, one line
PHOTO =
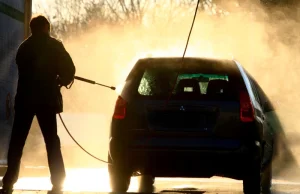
[(195, 117)]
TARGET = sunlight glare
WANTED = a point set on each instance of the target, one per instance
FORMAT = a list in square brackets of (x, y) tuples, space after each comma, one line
[(77, 180)]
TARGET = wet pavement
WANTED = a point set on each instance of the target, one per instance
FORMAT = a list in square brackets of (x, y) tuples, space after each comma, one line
[(96, 181)]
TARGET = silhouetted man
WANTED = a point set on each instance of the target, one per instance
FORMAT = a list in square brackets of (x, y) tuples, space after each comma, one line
[(44, 66)]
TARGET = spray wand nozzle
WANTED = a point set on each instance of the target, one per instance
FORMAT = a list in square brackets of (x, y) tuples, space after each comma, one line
[(93, 82)]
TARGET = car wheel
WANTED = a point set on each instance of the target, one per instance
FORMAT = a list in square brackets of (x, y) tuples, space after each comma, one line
[(119, 176), (252, 179), (146, 184), (147, 180), (266, 179)]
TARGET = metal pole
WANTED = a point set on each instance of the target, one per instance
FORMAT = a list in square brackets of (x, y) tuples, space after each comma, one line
[(27, 17)]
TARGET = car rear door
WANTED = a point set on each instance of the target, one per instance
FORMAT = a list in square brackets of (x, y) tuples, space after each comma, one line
[(214, 117)]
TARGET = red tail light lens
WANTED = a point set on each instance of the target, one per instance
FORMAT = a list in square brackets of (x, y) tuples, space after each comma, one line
[(246, 108), (120, 108)]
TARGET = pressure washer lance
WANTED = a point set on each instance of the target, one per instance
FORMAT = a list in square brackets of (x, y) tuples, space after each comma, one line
[(93, 82), (78, 144)]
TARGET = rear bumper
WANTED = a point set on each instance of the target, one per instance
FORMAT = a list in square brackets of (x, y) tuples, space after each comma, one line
[(183, 162)]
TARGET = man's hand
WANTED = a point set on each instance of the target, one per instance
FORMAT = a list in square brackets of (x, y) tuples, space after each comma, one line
[(60, 83)]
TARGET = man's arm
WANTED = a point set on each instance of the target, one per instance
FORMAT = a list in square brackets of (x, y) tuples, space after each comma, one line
[(66, 68)]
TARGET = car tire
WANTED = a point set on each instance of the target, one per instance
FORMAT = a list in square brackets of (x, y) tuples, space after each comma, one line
[(119, 176), (147, 180), (146, 183), (266, 179), (252, 179)]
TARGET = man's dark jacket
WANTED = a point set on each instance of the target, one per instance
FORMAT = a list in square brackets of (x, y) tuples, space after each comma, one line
[(43, 64)]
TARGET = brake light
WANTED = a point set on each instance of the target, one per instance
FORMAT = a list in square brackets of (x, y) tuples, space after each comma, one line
[(246, 108), (120, 108)]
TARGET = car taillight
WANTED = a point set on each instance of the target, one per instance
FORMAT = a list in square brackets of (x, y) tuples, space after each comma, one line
[(120, 108), (246, 108)]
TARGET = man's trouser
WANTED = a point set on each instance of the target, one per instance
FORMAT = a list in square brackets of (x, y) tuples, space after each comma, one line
[(22, 123)]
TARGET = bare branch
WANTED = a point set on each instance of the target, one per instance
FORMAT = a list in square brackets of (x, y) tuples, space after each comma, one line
[(113, 10)]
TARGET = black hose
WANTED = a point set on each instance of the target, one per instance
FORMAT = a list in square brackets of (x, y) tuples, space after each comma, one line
[(184, 52), (79, 144)]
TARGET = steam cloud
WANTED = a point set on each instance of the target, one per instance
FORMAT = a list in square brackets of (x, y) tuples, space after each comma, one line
[(266, 44)]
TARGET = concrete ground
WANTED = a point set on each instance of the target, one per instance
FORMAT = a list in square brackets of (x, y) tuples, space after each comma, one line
[(96, 181)]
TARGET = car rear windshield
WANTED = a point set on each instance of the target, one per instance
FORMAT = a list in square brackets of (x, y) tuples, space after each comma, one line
[(189, 81)]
